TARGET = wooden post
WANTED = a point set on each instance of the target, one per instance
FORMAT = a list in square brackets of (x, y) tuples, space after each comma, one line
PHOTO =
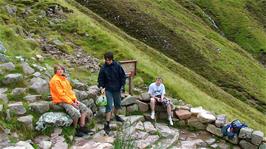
[(130, 85)]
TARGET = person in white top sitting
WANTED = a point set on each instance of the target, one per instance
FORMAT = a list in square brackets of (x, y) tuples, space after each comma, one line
[(157, 92)]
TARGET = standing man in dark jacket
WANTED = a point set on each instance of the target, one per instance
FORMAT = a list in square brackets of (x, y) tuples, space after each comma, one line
[(111, 79)]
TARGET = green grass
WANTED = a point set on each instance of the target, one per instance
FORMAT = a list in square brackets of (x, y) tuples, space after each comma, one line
[(233, 63)]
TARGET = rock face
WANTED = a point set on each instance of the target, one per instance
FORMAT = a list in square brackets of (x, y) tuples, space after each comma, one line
[(17, 108), (7, 66), (194, 122), (12, 78), (143, 107), (257, 137), (40, 107), (133, 108)]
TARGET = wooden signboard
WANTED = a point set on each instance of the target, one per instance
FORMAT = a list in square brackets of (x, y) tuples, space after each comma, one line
[(130, 68)]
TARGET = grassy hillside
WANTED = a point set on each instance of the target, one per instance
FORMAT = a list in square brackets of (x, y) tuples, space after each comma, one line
[(186, 38), (242, 21), (86, 29)]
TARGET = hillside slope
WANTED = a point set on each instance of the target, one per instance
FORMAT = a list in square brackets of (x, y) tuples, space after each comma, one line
[(77, 26)]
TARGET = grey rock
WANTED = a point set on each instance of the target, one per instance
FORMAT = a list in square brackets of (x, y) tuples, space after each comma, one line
[(191, 144), (26, 68), (2, 48), (235, 140), (220, 121), (140, 126), (133, 108), (81, 95), (197, 110), (3, 97), (8, 115), (39, 85), (245, 133), (1, 108), (93, 91), (144, 143), (27, 121), (40, 58), (165, 131), (3, 90), (214, 130), (145, 97), (40, 107), (8, 66), (167, 142), (210, 141), (194, 122), (129, 100), (78, 85), (37, 74), (143, 107), (58, 42), (17, 108), (45, 144), (32, 98), (19, 91), (257, 137), (3, 58), (11, 9), (12, 78), (206, 117), (247, 145), (148, 126), (40, 68), (214, 145), (90, 103), (131, 120)]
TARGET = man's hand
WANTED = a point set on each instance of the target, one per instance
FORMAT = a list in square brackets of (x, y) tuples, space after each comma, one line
[(102, 90)]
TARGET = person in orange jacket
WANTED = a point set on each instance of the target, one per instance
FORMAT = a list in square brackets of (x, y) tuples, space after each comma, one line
[(63, 95)]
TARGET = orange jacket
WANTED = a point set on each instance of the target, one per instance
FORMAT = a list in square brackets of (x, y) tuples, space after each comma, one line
[(61, 90)]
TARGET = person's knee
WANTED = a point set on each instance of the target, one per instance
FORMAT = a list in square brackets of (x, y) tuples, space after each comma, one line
[(152, 101)]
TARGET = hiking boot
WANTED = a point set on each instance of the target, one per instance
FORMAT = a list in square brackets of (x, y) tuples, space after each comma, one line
[(107, 129), (79, 133), (170, 121), (153, 115), (84, 130), (119, 119)]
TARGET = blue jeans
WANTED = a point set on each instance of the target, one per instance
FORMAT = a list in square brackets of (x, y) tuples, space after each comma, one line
[(113, 97)]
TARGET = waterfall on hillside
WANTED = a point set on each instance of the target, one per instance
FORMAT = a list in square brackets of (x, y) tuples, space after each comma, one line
[(213, 23)]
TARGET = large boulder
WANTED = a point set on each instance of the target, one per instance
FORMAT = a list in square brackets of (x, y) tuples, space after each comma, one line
[(8, 66), (220, 121), (12, 78), (26, 68), (56, 119), (17, 108), (90, 103), (39, 85), (132, 108), (40, 107), (3, 58)]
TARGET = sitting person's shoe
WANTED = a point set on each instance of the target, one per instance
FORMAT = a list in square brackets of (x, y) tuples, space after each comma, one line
[(170, 121), (107, 129), (118, 118), (79, 133), (153, 115)]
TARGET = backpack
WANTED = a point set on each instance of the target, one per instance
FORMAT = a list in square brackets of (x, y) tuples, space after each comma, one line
[(233, 128)]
